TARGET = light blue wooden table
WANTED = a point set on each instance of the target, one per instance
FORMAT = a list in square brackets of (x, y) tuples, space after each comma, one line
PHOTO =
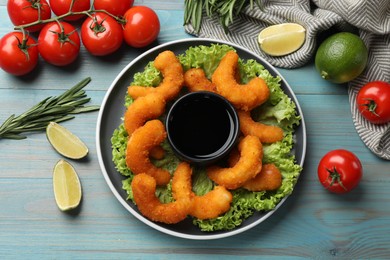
[(312, 223)]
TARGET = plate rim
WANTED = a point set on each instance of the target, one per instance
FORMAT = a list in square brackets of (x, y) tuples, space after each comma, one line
[(124, 202)]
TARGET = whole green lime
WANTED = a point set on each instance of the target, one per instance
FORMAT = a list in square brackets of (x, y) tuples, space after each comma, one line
[(341, 57)]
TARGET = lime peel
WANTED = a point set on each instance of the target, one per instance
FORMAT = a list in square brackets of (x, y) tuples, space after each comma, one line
[(341, 57)]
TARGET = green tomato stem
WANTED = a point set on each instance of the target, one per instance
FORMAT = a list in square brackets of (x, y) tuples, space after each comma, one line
[(371, 106), (335, 177), (69, 13)]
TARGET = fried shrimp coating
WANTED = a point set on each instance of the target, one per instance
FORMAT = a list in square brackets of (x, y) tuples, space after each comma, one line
[(269, 178), (195, 80), (244, 97), (266, 133), (157, 152), (173, 78), (139, 91), (181, 182), (249, 164), (210, 205), (144, 192), (143, 109), (138, 149)]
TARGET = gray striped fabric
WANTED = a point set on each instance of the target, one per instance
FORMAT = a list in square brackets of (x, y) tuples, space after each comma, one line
[(370, 19)]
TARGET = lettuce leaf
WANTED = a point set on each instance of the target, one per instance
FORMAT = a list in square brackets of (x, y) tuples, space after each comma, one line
[(204, 57), (278, 110), (150, 77), (118, 144)]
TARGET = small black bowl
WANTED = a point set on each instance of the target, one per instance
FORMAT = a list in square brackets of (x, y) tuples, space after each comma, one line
[(202, 127)]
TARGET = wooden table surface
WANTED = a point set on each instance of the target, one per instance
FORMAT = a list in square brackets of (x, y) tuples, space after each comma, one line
[(312, 223)]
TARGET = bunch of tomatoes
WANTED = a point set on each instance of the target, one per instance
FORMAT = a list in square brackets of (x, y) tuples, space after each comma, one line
[(105, 25)]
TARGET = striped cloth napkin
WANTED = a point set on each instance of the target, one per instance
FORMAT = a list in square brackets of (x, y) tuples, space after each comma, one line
[(370, 19)]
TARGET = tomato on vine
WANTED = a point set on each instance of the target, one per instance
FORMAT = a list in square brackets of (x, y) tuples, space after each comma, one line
[(61, 7), (117, 8), (101, 34), (373, 102), (18, 53), (340, 171), (27, 11), (142, 26), (59, 43)]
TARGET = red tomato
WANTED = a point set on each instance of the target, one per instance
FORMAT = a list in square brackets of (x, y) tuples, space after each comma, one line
[(61, 7), (26, 11), (142, 26), (117, 8), (101, 35), (340, 171), (373, 102), (58, 46), (18, 56)]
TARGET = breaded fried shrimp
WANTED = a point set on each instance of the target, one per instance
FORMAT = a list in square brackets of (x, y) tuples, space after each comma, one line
[(157, 152), (269, 178), (173, 78), (244, 97), (138, 149), (234, 157), (144, 192), (195, 80), (266, 133), (249, 164), (212, 204), (139, 91), (143, 109), (181, 182)]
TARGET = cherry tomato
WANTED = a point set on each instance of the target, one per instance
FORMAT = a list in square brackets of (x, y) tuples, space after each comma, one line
[(26, 11), (101, 34), (340, 171), (18, 55), (142, 26), (373, 102), (59, 46), (61, 7), (117, 8)]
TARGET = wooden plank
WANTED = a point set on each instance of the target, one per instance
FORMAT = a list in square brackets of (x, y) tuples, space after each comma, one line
[(311, 223)]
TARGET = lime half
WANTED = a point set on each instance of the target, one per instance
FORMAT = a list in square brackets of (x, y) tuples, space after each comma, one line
[(65, 142), (66, 185)]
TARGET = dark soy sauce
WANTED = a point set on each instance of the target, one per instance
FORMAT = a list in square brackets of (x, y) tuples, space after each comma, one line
[(202, 127)]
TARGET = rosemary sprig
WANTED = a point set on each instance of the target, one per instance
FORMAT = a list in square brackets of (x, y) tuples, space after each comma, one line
[(50, 109), (226, 10), (193, 12)]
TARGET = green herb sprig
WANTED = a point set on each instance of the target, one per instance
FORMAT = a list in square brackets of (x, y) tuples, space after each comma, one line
[(226, 10), (57, 109)]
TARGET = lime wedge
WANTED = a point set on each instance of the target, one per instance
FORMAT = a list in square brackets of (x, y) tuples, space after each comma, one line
[(65, 142), (66, 185), (282, 39)]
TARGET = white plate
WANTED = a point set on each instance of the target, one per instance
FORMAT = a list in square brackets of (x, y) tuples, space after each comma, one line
[(113, 109)]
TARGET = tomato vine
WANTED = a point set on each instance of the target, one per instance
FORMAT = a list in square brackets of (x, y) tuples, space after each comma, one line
[(88, 12)]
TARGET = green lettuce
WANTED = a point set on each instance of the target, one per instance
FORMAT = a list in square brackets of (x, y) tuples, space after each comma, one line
[(204, 57), (278, 110)]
